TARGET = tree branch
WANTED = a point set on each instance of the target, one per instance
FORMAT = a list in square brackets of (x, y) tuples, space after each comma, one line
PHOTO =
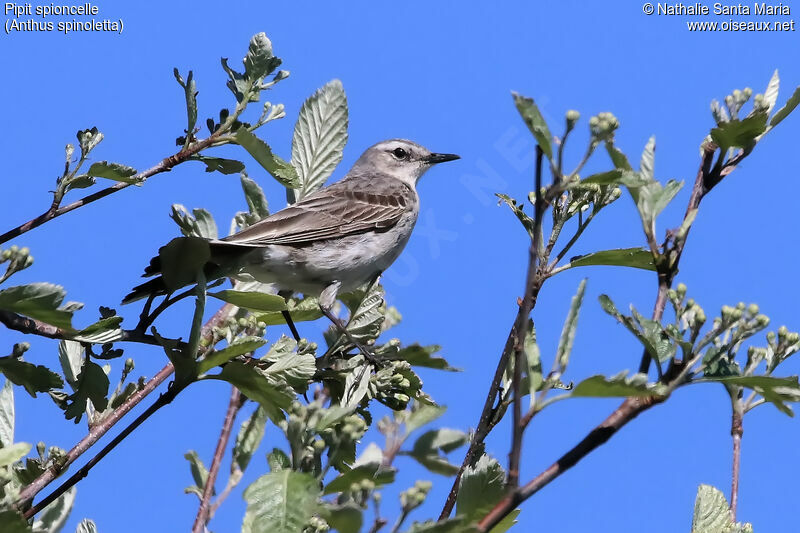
[(626, 412), (98, 431), (522, 317), (736, 433), (164, 165), (203, 515)]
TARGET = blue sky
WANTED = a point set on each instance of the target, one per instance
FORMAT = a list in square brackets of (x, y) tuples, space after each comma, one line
[(441, 74)]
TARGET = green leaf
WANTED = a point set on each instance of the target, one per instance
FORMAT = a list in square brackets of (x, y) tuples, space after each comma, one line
[(618, 386), (421, 415), (534, 362), (422, 356), (249, 438), (271, 392), (627, 257), (13, 522), (428, 446), (617, 157), (278, 460), (527, 221), (648, 161), (615, 177), (256, 201), (650, 333), (35, 378), (86, 526), (294, 367), (300, 310), (190, 94), (7, 415), (280, 502), (319, 137), (198, 469), (570, 324), (367, 313), (220, 164), (775, 390), (11, 454), (506, 523), (344, 518), (375, 472), (450, 525), (279, 169), (786, 110), (259, 60), (535, 121), (181, 259), (185, 365), (40, 301), (712, 513), (54, 516), (103, 331), (239, 346), (740, 133), (253, 301), (70, 355), (482, 486), (113, 171), (200, 225), (92, 385), (771, 93)]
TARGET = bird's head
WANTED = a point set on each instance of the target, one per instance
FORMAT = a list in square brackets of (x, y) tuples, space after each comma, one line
[(403, 159)]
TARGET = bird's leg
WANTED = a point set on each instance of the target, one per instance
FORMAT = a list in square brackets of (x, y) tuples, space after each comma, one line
[(326, 300), (288, 317)]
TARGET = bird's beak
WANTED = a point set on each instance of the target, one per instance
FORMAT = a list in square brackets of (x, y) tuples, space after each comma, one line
[(441, 158)]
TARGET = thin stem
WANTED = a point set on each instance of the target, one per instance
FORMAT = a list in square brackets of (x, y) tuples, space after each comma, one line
[(581, 228), (400, 520), (736, 434), (203, 512), (519, 342)]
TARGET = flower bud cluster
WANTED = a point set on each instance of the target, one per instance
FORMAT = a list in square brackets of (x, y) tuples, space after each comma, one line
[(603, 126), (415, 496)]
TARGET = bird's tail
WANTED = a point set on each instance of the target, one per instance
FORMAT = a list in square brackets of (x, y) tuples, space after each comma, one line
[(221, 253)]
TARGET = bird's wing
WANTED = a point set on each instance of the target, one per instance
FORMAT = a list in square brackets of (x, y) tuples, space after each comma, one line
[(347, 207)]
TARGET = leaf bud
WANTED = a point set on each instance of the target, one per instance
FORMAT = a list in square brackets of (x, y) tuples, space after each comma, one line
[(672, 294), (700, 316), (40, 448), (129, 365), (762, 320), (319, 446), (793, 337), (20, 348), (771, 337), (367, 484), (6, 255), (243, 323), (782, 331), (681, 290), (727, 313), (740, 306), (24, 250), (14, 248), (752, 309)]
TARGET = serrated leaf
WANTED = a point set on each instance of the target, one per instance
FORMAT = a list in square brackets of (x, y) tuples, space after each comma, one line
[(34, 378), (787, 108), (356, 386), (279, 169), (527, 221), (627, 257), (771, 93), (422, 356), (113, 171), (92, 385), (570, 324), (367, 312), (256, 200), (259, 60), (190, 95), (181, 259), (319, 137), (70, 355), (428, 446), (344, 518), (535, 121), (421, 415), (271, 392), (712, 513), (197, 468), (249, 438), (103, 331), (375, 472), (775, 390), (280, 502), (617, 386), (7, 415), (533, 360), (40, 301), (54, 516), (648, 160), (239, 346), (253, 301), (740, 133), (200, 225), (220, 164), (482, 485), (11, 454), (278, 460), (617, 157), (300, 310), (627, 178)]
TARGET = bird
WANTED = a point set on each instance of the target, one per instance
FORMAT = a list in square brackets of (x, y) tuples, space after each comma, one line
[(334, 240)]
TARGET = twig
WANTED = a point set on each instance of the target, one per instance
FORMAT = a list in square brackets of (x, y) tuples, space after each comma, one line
[(203, 514), (45, 478), (519, 341), (736, 433), (626, 412), (164, 165)]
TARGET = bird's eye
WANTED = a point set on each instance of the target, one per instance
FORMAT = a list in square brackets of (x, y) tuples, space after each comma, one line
[(399, 153)]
